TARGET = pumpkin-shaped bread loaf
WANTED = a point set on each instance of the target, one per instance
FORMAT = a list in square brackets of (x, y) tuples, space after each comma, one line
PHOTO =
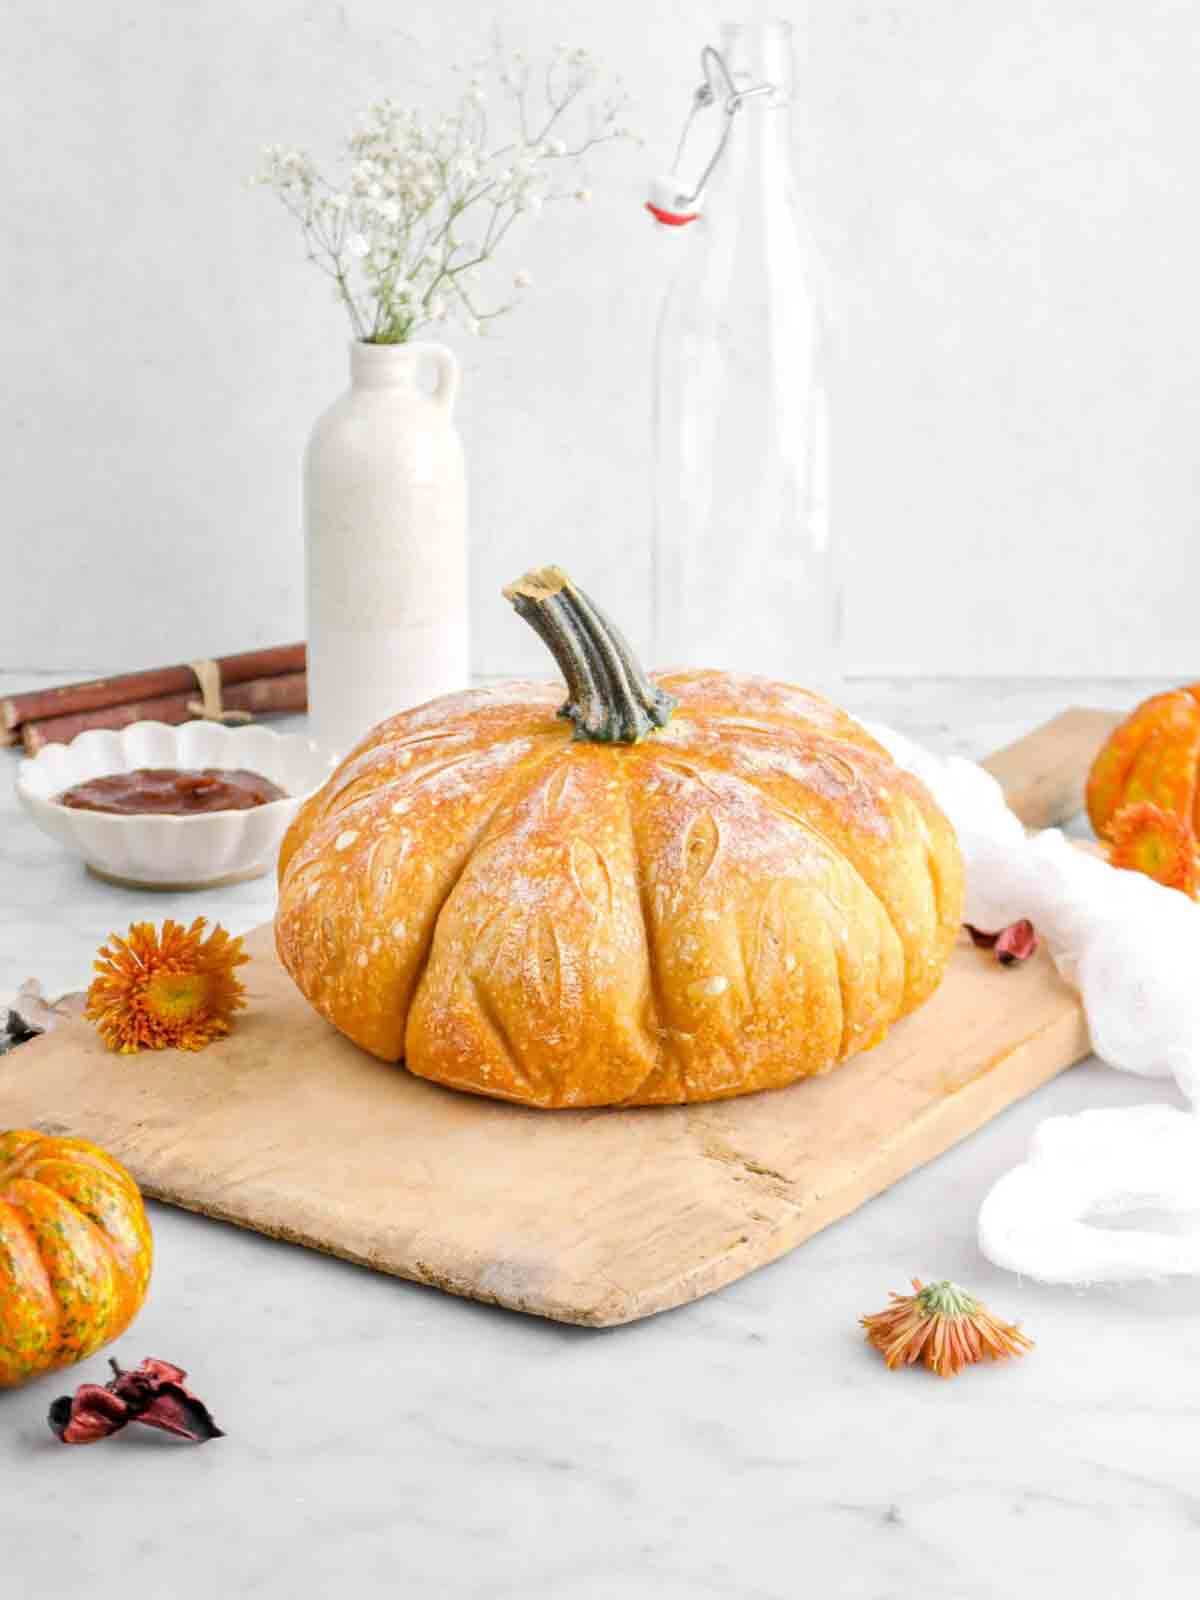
[(695, 886)]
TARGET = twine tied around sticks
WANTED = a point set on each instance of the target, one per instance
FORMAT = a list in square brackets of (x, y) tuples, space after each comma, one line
[(210, 706)]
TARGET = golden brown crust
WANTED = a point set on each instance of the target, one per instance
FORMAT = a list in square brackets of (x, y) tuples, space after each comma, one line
[(749, 896)]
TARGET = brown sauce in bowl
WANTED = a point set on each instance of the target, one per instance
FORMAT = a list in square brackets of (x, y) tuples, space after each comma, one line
[(172, 792)]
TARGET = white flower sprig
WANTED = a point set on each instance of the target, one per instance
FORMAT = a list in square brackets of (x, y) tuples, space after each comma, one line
[(428, 202)]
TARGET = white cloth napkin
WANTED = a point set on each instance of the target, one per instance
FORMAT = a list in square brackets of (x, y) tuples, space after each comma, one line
[(1132, 949)]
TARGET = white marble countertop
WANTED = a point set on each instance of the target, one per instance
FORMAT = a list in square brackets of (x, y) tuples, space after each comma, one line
[(384, 1439)]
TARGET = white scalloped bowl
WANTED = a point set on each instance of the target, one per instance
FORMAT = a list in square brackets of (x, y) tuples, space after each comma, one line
[(157, 852)]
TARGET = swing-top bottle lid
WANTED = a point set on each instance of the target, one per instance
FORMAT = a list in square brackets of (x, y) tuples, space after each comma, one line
[(673, 201)]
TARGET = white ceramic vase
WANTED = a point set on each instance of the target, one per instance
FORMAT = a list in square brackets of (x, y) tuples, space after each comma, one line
[(385, 512)]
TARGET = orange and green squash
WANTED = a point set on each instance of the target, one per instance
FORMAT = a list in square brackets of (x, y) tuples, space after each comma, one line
[(75, 1253), (1152, 758)]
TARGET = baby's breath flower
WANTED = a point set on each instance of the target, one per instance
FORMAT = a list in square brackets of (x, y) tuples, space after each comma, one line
[(390, 236)]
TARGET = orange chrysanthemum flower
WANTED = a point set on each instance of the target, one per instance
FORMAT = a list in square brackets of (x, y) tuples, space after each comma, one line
[(1145, 838), (944, 1326), (157, 991)]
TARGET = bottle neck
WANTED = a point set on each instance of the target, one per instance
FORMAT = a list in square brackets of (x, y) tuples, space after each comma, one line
[(759, 145), (757, 53)]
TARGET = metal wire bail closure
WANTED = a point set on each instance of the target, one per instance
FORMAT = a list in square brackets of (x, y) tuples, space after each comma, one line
[(671, 202)]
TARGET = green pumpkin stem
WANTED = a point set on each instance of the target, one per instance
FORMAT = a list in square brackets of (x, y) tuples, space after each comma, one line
[(610, 699)]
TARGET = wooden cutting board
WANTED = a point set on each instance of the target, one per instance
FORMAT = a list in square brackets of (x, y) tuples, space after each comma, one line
[(594, 1217)]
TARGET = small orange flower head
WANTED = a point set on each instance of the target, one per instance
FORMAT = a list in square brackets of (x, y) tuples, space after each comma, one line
[(1145, 838), (174, 989), (943, 1326)]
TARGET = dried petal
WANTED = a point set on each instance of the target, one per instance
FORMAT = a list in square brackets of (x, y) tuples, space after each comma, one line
[(91, 1413), (44, 1014), (31, 1014), (17, 1030), (176, 1411), (156, 1394), (1015, 943), (153, 1371)]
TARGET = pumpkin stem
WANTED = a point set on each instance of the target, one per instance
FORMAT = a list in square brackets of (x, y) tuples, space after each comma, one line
[(610, 699)]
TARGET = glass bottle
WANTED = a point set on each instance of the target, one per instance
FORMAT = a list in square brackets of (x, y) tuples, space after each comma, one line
[(744, 577)]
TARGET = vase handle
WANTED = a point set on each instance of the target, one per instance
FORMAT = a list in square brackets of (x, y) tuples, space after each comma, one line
[(446, 388)]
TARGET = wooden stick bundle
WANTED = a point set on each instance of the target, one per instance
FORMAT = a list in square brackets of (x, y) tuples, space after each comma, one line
[(144, 687), (258, 681), (262, 696)]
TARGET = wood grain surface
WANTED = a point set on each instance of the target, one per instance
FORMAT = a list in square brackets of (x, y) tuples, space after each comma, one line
[(1044, 773), (593, 1217)]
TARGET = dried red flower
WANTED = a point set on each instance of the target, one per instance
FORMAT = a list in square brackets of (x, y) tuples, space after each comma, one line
[(943, 1326), (1015, 943), (153, 1393)]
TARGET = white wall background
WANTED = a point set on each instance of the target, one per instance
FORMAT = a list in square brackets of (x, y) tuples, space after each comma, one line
[(1006, 195)]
